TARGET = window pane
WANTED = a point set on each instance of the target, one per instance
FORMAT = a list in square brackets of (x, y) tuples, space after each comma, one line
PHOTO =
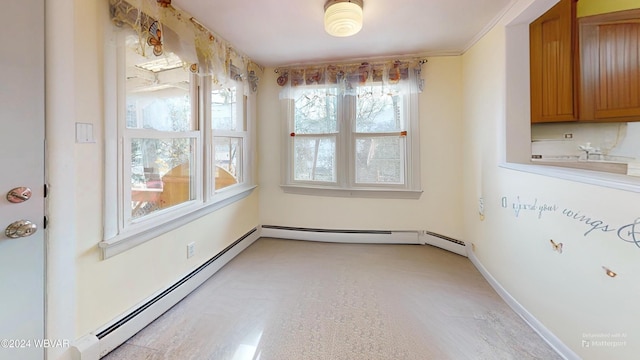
[(315, 159), (315, 111), (225, 113), (378, 109), (161, 174), (157, 91), (228, 161), (380, 160)]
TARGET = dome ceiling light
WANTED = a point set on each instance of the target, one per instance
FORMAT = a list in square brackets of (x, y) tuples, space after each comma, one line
[(343, 17)]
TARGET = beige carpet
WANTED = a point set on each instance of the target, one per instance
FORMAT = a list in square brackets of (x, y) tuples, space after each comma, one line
[(296, 300)]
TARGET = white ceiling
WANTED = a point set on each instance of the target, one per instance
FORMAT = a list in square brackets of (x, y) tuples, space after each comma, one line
[(284, 32)]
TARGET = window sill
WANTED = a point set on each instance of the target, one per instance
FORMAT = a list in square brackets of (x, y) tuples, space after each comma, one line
[(355, 193), (598, 178), (127, 240)]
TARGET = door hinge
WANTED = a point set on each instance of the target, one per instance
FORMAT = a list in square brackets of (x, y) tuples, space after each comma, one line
[(45, 222), (46, 190)]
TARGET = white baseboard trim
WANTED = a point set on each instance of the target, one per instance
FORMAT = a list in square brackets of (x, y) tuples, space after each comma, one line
[(100, 342), (341, 236), (551, 339)]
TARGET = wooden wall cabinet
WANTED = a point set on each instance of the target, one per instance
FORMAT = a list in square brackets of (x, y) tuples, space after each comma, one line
[(610, 67), (554, 65)]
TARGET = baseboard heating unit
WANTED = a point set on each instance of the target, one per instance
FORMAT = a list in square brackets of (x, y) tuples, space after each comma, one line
[(444, 242), (341, 236), (102, 341), (366, 237)]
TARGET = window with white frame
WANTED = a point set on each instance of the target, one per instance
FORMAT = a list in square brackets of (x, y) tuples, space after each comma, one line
[(314, 136), (177, 142), (229, 131), (160, 132), (352, 129)]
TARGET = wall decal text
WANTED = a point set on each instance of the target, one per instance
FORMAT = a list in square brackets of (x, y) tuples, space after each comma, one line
[(629, 233)]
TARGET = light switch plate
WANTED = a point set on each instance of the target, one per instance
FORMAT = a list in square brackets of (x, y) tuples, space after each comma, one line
[(191, 249), (84, 133)]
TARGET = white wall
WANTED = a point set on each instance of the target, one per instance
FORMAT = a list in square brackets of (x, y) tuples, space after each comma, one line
[(438, 208), (61, 290), (569, 292), (84, 291)]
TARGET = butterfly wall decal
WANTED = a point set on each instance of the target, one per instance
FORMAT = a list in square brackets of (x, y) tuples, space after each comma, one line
[(556, 246), (609, 272), (155, 38)]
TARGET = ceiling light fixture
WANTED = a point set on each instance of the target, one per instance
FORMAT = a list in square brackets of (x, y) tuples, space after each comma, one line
[(343, 17)]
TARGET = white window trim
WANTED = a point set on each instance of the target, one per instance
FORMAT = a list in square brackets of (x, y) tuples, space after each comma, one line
[(345, 185), (353, 192), (126, 219), (116, 237), (125, 241), (210, 133)]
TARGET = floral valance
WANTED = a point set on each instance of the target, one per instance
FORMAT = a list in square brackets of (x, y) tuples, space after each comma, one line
[(164, 27), (348, 76)]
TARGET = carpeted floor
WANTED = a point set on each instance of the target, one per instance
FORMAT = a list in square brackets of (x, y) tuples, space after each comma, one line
[(297, 300)]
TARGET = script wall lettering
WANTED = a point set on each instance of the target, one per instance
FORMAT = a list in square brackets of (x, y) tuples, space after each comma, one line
[(629, 232)]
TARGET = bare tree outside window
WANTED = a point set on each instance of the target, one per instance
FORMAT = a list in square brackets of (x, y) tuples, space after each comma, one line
[(377, 122)]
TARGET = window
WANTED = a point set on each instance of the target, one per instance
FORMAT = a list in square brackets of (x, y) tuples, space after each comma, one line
[(229, 127), (379, 136), (161, 137), (177, 141), (357, 134), (315, 130)]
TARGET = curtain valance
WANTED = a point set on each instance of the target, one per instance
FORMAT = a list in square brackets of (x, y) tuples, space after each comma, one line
[(159, 24), (347, 77)]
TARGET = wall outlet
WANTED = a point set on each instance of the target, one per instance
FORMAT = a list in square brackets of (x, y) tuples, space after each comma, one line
[(568, 136), (191, 249)]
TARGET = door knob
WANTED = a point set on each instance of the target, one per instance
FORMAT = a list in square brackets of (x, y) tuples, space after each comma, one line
[(21, 228), (19, 194)]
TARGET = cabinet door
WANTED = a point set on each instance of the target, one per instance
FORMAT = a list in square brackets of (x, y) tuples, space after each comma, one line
[(553, 60), (610, 46)]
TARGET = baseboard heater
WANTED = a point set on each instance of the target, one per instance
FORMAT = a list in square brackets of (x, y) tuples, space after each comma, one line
[(444, 242), (421, 237), (101, 342), (341, 236)]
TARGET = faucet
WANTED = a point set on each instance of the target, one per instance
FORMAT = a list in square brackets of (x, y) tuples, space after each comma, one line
[(589, 150)]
